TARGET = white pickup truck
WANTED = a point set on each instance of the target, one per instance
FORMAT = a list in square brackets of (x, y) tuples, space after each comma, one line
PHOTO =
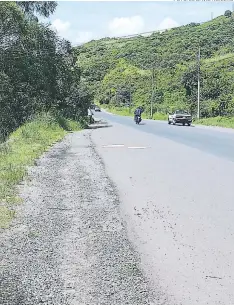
[(180, 116)]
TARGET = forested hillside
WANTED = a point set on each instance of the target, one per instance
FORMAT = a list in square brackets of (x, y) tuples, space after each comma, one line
[(119, 71), (37, 68)]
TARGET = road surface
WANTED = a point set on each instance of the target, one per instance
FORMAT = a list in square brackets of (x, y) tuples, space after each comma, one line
[(217, 141), (176, 191), (125, 214)]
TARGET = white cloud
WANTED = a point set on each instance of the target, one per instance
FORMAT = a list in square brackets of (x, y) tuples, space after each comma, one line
[(167, 23), (61, 27), (121, 26), (64, 29), (83, 37)]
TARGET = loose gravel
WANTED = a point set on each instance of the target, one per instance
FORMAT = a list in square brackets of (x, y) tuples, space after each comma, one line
[(68, 244)]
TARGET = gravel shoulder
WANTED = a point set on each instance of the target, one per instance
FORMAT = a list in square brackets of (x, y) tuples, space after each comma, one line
[(68, 244)]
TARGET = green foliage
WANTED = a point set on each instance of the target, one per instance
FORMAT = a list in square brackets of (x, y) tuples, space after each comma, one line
[(43, 8), (228, 13), (227, 122), (119, 71), (38, 70), (25, 145)]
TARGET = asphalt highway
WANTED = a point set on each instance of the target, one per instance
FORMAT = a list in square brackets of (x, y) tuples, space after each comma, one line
[(216, 141), (176, 189)]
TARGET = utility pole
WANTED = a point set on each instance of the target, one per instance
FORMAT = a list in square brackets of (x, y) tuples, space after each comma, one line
[(116, 96), (198, 85), (130, 93), (109, 96), (152, 96), (130, 99)]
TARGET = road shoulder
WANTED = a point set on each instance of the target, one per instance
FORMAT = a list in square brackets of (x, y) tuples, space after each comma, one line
[(68, 244)]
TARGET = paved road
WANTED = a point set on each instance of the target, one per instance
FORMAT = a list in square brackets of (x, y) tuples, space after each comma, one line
[(177, 199), (210, 140)]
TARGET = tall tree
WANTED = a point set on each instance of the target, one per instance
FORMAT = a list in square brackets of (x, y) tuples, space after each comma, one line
[(38, 70), (43, 8)]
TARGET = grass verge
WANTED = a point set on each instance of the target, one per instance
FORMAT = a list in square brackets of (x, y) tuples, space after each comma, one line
[(21, 150), (226, 122)]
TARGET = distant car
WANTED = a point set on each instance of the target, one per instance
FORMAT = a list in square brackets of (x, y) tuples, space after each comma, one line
[(180, 116), (97, 109)]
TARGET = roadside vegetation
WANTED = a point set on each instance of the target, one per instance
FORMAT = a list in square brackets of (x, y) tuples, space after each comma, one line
[(42, 95), (38, 72), (21, 150), (120, 71), (226, 122)]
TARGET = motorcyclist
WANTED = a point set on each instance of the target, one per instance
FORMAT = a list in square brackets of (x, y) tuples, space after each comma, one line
[(138, 112)]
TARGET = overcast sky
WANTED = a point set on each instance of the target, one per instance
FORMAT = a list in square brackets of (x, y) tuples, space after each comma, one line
[(80, 22)]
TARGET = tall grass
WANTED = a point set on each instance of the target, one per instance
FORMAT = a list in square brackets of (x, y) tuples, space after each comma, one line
[(25, 145), (227, 122)]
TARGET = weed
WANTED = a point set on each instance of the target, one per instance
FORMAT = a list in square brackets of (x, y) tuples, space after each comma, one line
[(227, 122), (21, 150)]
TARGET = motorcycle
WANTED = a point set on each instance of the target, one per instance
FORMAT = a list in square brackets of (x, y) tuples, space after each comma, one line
[(138, 119)]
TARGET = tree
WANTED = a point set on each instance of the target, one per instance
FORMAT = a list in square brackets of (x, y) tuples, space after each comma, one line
[(125, 63), (43, 8), (228, 13), (38, 69), (190, 80)]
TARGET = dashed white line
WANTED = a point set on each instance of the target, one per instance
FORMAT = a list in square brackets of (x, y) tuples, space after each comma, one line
[(113, 145)]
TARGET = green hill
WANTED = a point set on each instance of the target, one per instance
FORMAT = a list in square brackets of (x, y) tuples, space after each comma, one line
[(119, 71)]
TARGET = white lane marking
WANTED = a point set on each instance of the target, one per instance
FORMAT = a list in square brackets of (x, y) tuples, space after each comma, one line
[(113, 145), (122, 145)]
